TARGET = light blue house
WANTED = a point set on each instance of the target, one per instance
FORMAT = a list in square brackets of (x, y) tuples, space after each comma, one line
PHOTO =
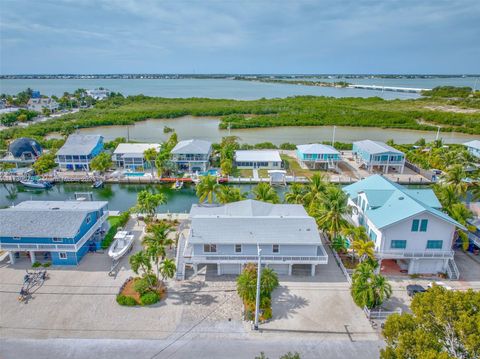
[(192, 155), (227, 237), (378, 155), (78, 151), (318, 156), (407, 225), (58, 231), (473, 147)]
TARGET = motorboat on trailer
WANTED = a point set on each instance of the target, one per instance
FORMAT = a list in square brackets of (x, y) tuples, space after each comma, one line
[(122, 243), (36, 184)]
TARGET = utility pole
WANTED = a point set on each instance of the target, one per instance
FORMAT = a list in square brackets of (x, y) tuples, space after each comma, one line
[(128, 133), (333, 136), (229, 129), (259, 275), (438, 133)]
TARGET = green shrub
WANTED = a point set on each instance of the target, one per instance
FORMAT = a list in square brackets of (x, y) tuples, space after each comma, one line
[(115, 223), (127, 301), (141, 286), (46, 264), (149, 298), (36, 265)]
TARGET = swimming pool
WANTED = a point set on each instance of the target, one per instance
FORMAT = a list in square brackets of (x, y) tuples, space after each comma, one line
[(211, 172), (134, 174)]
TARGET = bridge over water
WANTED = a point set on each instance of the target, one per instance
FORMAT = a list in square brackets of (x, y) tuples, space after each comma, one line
[(389, 88)]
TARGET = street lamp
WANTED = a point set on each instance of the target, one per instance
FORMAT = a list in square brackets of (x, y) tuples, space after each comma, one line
[(257, 302)]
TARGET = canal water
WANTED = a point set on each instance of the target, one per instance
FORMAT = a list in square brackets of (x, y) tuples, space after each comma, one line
[(206, 128), (120, 196)]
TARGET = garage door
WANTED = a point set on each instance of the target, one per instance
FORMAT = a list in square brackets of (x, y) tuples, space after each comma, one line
[(281, 269), (230, 268), (427, 266)]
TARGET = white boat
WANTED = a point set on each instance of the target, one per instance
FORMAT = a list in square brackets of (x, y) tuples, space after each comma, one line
[(121, 245), (36, 184)]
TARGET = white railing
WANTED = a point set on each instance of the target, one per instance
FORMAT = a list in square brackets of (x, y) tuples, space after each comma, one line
[(91, 231), (452, 270), (380, 313), (390, 254), (55, 247), (253, 258), (342, 267)]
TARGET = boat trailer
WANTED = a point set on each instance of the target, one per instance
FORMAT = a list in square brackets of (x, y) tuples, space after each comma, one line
[(32, 280)]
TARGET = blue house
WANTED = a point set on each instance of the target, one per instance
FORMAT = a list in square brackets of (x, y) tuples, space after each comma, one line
[(78, 151), (58, 231), (378, 155), (318, 156)]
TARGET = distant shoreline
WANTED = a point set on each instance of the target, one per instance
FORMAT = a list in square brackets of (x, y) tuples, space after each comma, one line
[(227, 76)]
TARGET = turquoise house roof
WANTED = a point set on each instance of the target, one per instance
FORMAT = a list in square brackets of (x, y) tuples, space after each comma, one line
[(390, 203)]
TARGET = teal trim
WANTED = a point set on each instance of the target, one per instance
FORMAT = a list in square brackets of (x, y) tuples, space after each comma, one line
[(398, 244), (423, 225), (434, 244), (415, 224)]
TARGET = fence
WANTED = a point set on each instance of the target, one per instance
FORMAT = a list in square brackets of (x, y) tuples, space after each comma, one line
[(380, 313), (425, 173)]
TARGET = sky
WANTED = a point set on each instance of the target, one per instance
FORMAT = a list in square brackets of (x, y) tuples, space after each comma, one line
[(239, 36)]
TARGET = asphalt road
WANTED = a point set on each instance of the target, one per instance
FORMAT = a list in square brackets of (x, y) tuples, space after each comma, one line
[(184, 348)]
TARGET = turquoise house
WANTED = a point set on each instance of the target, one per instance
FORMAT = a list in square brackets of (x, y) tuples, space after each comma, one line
[(376, 155), (61, 232), (78, 151), (318, 156)]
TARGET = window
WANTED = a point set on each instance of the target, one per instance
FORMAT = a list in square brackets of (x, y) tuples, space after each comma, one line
[(434, 244), (415, 225), (238, 248), (89, 219), (373, 236), (209, 248), (56, 239), (275, 248), (16, 238), (398, 244), (423, 225), (62, 255)]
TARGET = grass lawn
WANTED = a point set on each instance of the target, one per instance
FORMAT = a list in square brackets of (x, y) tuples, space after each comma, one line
[(293, 167), (263, 173), (246, 173)]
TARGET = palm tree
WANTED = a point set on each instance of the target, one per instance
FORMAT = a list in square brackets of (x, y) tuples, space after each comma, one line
[(296, 194), (382, 290), (148, 202), (168, 268), (446, 195), (364, 249), (264, 192), (455, 176), (339, 244), (140, 262), (150, 155), (228, 194), (207, 188), (268, 282), (156, 243), (330, 210), (247, 283), (315, 189)]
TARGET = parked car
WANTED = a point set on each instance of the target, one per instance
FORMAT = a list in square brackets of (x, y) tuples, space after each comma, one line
[(441, 284), (413, 289)]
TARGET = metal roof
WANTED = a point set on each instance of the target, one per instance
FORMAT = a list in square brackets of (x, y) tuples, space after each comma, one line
[(393, 203), (253, 222), (46, 219), (473, 144), (375, 147), (192, 147), (135, 148), (315, 148), (79, 145), (257, 156)]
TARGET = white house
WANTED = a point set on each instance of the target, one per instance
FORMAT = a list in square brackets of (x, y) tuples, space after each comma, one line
[(256, 159), (407, 225), (192, 155), (228, 236), (38, 104), (99, 93), (131, 155), (473, 147)]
